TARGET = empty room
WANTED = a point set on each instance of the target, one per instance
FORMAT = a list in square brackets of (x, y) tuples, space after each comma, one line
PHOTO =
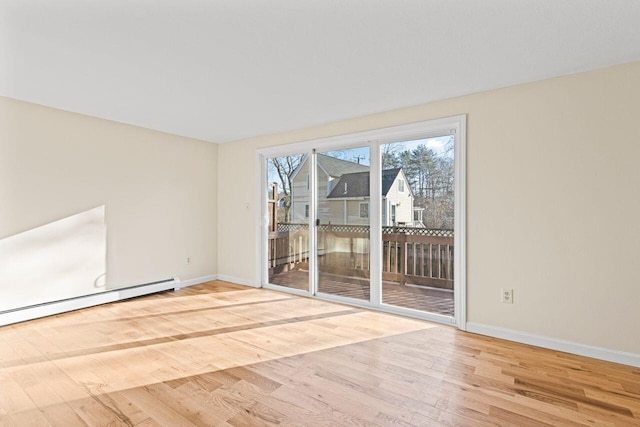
[(319, 213)]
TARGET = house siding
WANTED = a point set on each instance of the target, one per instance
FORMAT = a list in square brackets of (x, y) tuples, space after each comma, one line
[(353, 212), (301, 195), (404, 211), (333, 210), (328, 210)]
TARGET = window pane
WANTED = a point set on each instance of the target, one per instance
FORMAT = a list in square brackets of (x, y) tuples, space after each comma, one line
[(288, 201), (343, 233), (417, 224)]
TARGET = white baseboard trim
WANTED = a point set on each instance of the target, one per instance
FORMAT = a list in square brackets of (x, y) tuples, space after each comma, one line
[(238, 280), (195, 281), (56, 307), (601, 353)]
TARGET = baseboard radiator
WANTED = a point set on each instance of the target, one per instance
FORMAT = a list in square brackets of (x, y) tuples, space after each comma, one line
[(21, 314)]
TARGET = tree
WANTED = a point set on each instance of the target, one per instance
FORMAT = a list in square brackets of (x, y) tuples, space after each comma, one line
[(284, 167), (389, 153), (431, 178)]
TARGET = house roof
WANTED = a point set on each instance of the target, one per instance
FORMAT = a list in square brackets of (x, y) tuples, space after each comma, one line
[(388, 176), (357, 184), (337, 167)]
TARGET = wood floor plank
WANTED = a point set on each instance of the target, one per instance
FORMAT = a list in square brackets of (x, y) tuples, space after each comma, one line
[(31, 418), (159, 410), (223, 354), (13, 397)]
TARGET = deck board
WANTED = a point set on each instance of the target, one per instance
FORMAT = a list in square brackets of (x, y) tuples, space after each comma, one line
[(423, 298)]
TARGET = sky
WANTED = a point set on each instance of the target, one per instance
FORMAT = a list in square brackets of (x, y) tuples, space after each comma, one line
[(438, 145), (361, 155)]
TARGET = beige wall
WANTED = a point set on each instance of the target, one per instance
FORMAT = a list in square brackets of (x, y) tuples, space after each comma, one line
[(552, 209), (159, 191), (552, 204)]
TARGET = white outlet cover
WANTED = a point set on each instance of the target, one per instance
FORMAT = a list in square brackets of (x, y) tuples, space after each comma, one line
[(507, 296)]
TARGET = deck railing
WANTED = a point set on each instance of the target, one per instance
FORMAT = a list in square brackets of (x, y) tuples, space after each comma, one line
[(419, 256)]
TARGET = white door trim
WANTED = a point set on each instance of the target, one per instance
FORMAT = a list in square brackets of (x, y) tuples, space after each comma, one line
[(460, 224)]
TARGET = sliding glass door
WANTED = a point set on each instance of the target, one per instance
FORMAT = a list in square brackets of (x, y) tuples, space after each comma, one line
[(342, 206), (373, 223), (417, 221), (287, 206)]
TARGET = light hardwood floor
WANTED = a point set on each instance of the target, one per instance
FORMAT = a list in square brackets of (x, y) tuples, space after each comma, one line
[(222, 354)]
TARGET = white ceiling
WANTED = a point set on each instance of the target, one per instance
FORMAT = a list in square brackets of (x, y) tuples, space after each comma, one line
[(222, 70)]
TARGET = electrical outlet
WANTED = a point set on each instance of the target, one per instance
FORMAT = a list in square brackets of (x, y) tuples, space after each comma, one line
[(188, 261), (507, 296)]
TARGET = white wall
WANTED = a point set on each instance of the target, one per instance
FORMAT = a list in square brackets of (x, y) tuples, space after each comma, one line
[(552, 205), (157, 195)]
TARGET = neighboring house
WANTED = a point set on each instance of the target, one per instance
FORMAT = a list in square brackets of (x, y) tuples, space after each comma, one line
[(343, 194)]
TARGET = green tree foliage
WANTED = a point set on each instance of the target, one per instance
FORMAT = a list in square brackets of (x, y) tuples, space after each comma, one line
[(431, 178)]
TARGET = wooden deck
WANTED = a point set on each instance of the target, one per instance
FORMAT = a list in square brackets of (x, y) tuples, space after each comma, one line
[(412, 255), (422, 298), (225, 355)]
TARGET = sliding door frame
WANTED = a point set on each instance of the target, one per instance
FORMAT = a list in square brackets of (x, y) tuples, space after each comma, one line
[(456, 126)]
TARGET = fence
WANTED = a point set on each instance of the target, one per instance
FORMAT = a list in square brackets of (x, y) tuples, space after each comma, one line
[(417, 256)]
